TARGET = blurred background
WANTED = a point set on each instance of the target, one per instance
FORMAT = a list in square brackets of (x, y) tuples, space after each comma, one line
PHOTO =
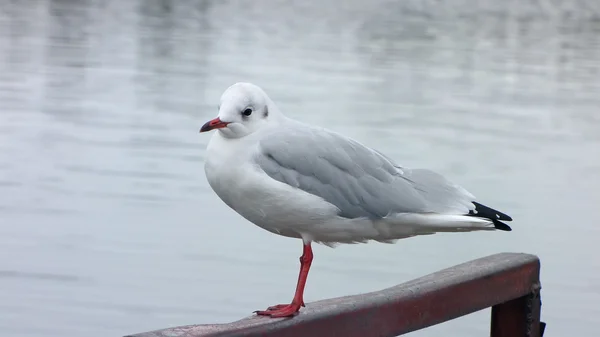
[(107, 223)]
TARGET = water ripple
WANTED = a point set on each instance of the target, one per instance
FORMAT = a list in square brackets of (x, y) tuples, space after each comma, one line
[(38, 276)]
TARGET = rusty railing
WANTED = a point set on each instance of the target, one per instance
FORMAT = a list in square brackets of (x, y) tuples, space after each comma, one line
[(507, 282)]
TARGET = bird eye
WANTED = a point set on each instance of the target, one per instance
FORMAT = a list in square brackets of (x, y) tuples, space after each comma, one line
[(247, 112)]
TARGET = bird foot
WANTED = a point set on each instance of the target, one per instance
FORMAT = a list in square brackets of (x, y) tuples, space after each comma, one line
[(281, 310)]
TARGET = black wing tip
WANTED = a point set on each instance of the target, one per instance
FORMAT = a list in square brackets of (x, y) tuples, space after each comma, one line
[(483, 211), (499, 225)]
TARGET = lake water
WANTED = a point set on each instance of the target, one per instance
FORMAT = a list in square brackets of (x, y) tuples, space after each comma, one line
[(107, 223)]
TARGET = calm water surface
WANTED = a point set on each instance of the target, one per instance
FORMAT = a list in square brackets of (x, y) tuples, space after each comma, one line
[(108, 226)]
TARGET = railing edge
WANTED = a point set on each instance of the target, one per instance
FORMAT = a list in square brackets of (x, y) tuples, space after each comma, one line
[(441, 296)]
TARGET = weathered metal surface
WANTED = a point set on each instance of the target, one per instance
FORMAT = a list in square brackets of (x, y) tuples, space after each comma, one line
[(517, 318), (414, 305)]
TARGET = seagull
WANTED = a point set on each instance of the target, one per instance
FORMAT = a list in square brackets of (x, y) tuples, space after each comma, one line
[(314, 184)]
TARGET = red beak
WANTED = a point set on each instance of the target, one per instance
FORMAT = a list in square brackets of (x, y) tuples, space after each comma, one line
[(213, 124)]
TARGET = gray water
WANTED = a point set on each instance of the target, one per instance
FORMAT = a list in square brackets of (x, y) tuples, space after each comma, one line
[(108, 226)]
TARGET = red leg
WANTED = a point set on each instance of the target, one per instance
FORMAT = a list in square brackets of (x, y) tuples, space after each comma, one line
[(284, 310)]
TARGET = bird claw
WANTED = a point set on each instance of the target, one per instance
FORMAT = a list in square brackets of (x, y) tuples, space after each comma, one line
[(281, 310), (277, 307), (280, 306)]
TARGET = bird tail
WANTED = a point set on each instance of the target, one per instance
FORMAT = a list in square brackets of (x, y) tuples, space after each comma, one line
[(410, 224), (406, 225)]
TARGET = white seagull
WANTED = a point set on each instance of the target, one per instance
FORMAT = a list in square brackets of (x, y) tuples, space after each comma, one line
[(311, 183)]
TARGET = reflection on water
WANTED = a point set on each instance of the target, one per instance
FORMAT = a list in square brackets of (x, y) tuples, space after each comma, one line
[(107, 224)]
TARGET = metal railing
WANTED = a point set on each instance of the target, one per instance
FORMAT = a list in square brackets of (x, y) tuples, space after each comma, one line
[(507, 282)]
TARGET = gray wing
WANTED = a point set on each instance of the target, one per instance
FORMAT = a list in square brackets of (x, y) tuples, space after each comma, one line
[(359, 181)]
